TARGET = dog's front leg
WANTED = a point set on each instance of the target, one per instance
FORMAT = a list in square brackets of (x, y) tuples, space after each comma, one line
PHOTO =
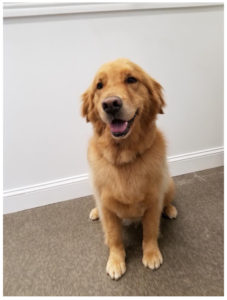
[(152, 256), (113, 237)]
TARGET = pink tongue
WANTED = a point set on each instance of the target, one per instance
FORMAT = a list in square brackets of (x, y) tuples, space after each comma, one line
[(118, 126)]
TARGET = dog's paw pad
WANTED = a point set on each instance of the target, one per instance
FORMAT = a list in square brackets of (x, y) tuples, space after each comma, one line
[(94, 214), (153, 259), (115, 268), (170, 211)]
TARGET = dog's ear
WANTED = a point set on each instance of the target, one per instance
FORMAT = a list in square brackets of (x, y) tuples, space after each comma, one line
[(158, 94), (155, 90), (87, 104)]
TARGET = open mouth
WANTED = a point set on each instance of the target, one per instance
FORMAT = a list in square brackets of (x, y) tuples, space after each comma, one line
[(120, 128)]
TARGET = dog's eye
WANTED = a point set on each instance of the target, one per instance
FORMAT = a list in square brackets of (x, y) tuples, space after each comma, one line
[(131, 79), (99, 85)]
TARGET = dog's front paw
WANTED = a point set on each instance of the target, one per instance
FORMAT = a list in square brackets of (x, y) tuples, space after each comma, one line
[(152, 259), (115, 267)]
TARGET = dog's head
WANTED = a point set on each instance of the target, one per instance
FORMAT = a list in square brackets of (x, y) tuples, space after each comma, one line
[(120, 96)]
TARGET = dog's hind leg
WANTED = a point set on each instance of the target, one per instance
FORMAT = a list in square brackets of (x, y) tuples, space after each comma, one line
[(168, 209), (94, 214)]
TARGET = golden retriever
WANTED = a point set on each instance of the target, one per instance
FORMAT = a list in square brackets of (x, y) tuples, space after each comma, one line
[(127, 157)]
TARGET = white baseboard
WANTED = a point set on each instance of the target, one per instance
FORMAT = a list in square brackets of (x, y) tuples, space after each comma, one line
[(78, 186), (196, 161), (46, 193)]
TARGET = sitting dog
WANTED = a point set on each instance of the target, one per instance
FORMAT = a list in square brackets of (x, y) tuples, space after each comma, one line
[(127, 157)]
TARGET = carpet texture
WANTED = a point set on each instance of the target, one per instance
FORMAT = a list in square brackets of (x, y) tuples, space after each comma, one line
[(55, 250)]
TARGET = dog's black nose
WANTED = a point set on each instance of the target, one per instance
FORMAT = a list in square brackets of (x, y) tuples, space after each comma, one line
[(112, 105)]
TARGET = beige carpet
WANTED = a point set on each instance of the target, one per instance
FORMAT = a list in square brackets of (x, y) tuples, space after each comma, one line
[(56, 250)]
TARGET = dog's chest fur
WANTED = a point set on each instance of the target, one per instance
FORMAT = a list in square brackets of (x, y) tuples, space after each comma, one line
[(127, 189)]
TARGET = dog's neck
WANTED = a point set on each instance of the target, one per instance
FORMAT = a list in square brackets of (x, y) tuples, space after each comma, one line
[(125, 151)]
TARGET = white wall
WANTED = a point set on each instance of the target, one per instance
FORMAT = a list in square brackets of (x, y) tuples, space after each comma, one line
[(50, 60)]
